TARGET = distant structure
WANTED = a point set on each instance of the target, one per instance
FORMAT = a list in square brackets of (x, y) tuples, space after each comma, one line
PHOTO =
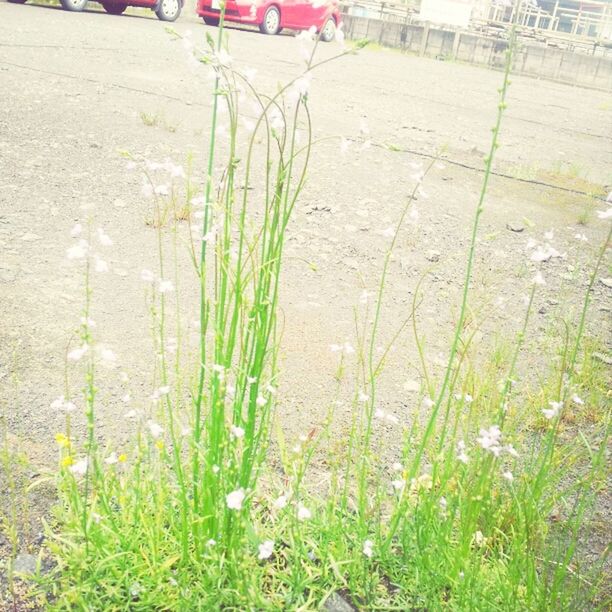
[(591, 18), (569, 19)]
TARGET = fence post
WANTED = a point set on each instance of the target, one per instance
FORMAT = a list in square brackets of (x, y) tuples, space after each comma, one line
[(424, 39), (456, 41)]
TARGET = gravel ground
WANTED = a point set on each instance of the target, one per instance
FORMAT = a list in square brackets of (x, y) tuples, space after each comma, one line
[(73, 90)]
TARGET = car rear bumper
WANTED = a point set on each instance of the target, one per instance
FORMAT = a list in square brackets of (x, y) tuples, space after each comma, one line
[(234, 11)]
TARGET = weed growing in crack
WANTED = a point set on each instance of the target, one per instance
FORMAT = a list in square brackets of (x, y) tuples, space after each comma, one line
[(192, 515)]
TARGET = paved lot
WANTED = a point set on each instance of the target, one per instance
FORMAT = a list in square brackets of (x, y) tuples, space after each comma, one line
[(73, 91)]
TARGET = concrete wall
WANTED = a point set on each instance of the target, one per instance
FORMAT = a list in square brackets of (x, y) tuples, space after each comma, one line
[(545, 62)]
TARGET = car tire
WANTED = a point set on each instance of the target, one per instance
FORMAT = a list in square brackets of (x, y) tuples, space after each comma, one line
[(76, 6), (114, 8), (169, 10), (211, 21), (328, 33), (271, 22)]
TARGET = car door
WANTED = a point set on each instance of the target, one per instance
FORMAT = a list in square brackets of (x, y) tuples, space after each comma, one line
[(311, 13)]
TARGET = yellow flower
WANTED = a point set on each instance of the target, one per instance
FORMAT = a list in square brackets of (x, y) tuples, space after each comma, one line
[(67, 461), (159, 444), (62, 440), (122, 458)]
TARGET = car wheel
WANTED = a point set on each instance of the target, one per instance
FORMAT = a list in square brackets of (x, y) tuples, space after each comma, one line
[(168, 10), (211, 21), (328, 33), (114, 8), (271, 22), (73, 5)]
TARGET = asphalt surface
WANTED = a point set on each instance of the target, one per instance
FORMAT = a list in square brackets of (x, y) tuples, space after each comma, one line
[(78, 89)]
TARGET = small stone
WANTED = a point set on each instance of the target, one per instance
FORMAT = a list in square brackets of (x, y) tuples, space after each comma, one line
[(432, 255), (515, 226), (606, 282), (603, 358), (336, 603), (25, 564), (30, 237)]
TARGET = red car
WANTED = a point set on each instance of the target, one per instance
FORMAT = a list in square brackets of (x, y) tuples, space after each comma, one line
[(166, 10), (273, 15)]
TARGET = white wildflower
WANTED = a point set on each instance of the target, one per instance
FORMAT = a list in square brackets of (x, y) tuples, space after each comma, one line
[(511, 450), (111, 459), (237, 432), (147, 276), (303, 513), (490, 440), (508, 475), (461, 452), (234, 499), (223, 58), (386, 417), (249, 73), (61, 403), (78, 251), (266, 549), (78, 353), (367, 548), (155, 429), (101, 265), (177, 171), (301, 86), (398, 484), (340, 34), (108, 357), (280, 502), (80, 467), (165, 286), (103, 238), (553, 411), (544, 253)]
